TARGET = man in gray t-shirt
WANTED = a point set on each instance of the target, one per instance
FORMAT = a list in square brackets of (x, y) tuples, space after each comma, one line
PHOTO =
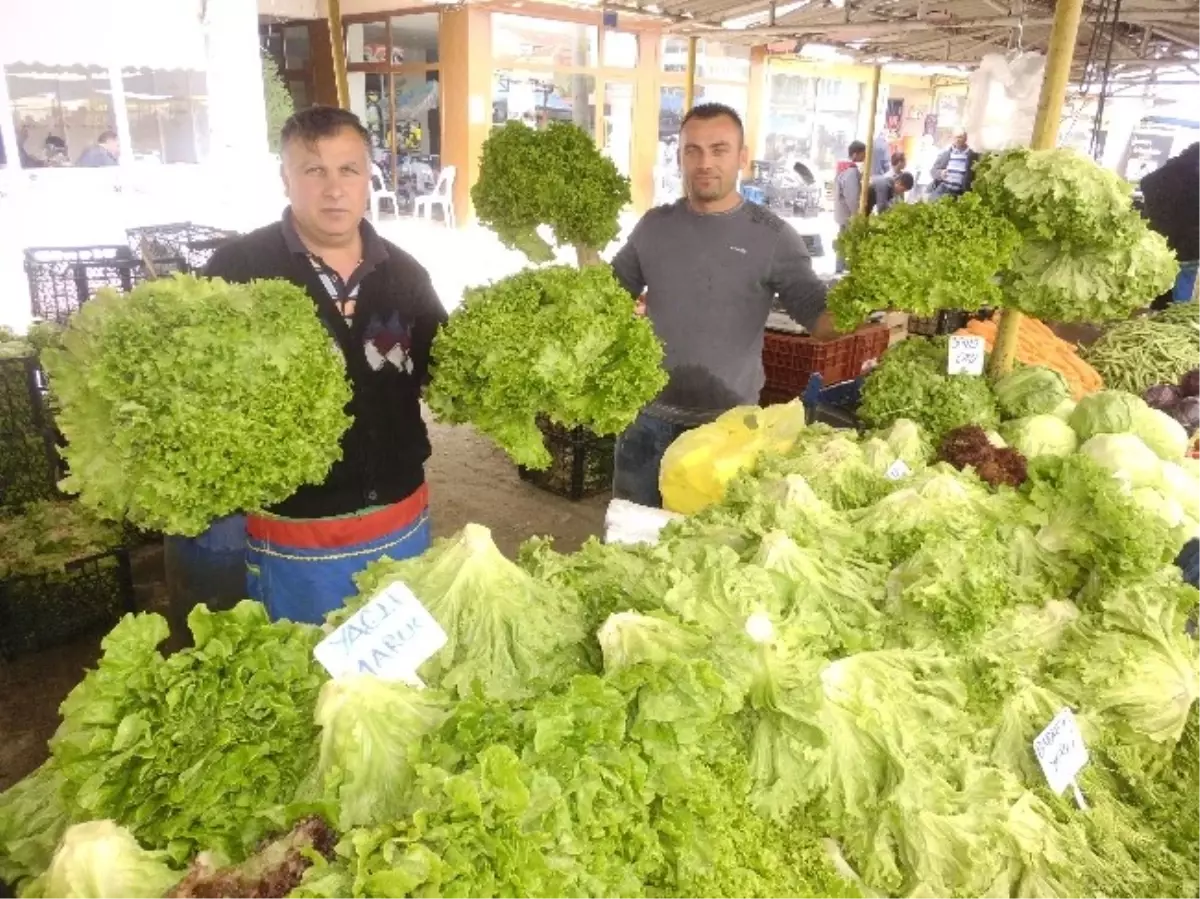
[(709, 268)]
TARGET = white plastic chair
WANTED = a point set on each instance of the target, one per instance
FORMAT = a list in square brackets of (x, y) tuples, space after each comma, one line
[(378, 195), (443, 195)]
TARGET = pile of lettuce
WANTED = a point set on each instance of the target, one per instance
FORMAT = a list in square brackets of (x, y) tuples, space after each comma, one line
[(911, 382), (189, 399), (555, 343), (828, 684), (1047, 232)]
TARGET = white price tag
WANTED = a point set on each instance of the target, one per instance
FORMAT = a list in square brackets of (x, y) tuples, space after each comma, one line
[(389, 637), (1061, 752), (897, 470), (966, 355)]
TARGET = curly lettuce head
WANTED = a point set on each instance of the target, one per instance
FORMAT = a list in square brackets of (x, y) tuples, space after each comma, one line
[(189, 399), (556, 342)]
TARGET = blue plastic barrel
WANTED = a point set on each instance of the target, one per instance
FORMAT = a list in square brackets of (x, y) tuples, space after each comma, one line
[(209, 568)]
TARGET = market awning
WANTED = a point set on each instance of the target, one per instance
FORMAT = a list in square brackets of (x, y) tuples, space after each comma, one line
[(148, 34)]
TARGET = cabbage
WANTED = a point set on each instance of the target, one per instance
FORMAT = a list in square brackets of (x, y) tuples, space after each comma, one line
[(1182, 486), (1040, 435), (995, 439), (1030, 390), (1106, 412), (1165, 507), (1064, 409), (1161, 433), (1127, 457), (101, 860)]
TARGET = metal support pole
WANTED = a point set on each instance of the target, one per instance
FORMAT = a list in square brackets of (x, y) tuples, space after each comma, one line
[(9, 135), (337, 43), (1059, 53), (868, 165), (689, 85), (120, 112)]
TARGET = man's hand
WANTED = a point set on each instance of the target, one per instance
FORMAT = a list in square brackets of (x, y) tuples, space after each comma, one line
[(639, 308)]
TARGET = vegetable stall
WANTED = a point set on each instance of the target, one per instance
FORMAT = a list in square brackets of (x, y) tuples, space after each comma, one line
[(831, 682), (946, 653)]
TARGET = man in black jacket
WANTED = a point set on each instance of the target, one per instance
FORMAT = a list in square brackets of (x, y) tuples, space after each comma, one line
[(1171, 194), (381, 311)]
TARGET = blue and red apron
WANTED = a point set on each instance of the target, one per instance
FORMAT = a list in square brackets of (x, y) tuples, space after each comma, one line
[(301, 569)]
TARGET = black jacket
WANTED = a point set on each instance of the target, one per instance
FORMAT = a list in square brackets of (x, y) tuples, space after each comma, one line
[(384, 450), (1172, 194)]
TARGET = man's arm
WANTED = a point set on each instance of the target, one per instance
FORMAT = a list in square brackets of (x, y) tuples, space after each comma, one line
[(627, 267), (792, 277), (431, 317), (938, 172)]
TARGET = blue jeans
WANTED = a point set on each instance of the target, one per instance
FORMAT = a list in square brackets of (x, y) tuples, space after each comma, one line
[(1185, 283), (639, 456)]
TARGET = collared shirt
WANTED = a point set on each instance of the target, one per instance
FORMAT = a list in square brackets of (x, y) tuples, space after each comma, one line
[(380, 344), (343, 291)]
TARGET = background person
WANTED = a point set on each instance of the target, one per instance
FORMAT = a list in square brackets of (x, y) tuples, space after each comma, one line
[(105, 151), (381, 311), (885, 190), (710, 267), (954, 168), (847, 188), (1171, 196)]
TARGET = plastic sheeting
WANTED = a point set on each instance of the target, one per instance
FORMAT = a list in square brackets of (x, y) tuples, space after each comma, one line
[(1002, 99)]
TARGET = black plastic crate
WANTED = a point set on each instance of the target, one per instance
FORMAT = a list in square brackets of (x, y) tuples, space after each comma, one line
[(946, 322), (30, 465), (581, 463), (180, 246), (38, 611), (61, 279)]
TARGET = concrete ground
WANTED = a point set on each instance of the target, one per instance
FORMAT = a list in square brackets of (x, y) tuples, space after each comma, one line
[(470, 481)]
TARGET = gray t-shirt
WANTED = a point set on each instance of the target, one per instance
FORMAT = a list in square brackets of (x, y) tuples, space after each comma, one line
[(710, 281)]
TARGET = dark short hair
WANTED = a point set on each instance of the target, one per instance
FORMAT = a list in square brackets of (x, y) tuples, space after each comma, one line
[(856, 147), (317, 122), (898, 158), (905, 180), (708, 111), (106, 136)]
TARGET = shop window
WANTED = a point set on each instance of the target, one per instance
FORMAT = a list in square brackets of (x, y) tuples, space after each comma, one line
[(716, 61), (618, 124), (810, 120), (538, 98), (415, 38), (544, 42), (168, 114), (620, 49), (58, 111), (367, 42), (402, 116), (670, 107), (296, 53)]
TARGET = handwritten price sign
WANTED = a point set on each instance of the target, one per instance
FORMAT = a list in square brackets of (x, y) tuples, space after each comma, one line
[(966, 355), (1061, 752), (389, 637)]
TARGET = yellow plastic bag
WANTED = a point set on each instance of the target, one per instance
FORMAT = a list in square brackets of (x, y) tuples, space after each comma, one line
[(697, 466)]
